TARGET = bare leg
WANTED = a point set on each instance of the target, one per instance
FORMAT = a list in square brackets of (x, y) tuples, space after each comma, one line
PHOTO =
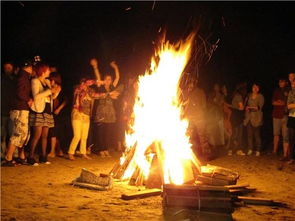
[(53, 146), (275, 143), (286, 150), (34, 142), (10, 150), (21, 153), (44, 141), (58, 148)]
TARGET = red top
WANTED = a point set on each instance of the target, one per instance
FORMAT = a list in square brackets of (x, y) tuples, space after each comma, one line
[(280, 111)]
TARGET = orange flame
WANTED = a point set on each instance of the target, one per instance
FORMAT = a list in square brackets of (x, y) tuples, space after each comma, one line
[(157, 115)]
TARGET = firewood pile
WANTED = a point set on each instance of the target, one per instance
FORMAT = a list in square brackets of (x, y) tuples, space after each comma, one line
[(217, 176), (156, 176), (90, 180), (214, 190)]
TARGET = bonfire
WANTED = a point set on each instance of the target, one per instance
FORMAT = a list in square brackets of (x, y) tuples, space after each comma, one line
[(158, 145)]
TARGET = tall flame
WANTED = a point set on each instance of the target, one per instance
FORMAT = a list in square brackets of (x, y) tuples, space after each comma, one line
[(157, 115)]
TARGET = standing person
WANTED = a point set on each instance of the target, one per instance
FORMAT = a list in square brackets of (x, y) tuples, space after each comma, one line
[(80, 117), (227, 112), (41, 117), (59, 104), (215, 111), (280, 117), (8, 84), (291, 122), (254, 119), (195, 110), (19, 116), (291, 77), (104, 112), (237, 118)]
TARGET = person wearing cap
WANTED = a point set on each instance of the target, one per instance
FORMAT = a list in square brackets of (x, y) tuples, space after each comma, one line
[(19, 115)]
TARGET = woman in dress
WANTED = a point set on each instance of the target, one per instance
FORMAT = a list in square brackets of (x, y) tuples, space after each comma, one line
[(41, 118), (56, 132)]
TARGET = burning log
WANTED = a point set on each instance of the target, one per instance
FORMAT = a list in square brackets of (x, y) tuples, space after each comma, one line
[(120, 167), (155, 179), (137, 178)]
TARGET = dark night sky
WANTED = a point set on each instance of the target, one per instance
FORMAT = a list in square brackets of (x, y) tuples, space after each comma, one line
[(257, 41)]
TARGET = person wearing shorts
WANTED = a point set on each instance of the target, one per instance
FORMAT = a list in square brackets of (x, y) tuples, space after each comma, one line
[(280, 117), (20, 117)]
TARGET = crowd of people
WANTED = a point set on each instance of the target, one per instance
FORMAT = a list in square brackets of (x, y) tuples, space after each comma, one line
[(33, 103), (223, 120)]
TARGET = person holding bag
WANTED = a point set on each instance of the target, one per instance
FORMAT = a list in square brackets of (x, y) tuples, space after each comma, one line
[(254, 119)]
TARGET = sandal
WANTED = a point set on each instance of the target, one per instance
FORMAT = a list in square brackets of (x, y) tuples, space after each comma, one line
[(8, 163), (21, 161), (43, 159), (71, 157), (32, 162)]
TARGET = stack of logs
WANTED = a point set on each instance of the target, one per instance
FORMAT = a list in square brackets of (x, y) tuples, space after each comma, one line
[(156, 177), (206, 188), (217, 176), (200, 197)]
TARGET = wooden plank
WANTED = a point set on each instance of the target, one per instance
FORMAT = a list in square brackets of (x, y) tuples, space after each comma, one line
[(259, 201), (134, 176), (221, 204), (118, 171), (213, 181), (195, 187), (237, 186), (142, 194), (196, 191), (242, 191), (91, 186), (211, 170)]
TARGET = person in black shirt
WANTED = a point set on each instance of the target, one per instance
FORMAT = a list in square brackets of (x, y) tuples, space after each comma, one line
[(8, 85), (19, 115)]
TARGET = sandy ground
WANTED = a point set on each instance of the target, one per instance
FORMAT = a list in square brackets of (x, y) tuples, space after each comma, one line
[(44, 193)]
